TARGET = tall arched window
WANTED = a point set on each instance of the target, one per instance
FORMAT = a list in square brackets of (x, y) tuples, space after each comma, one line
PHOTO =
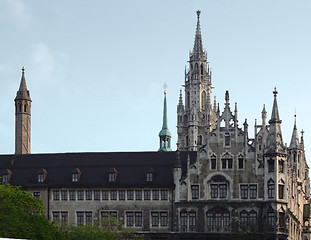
[(200, 140), (188, 99), (202, 69), (203, 99)]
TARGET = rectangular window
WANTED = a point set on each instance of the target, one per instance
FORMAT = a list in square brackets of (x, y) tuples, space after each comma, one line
[(80, 195), (138, 219), (241, 163), (163, 219), (55, 195), (282, 221), (113, 195), (36, 194), (243, 218), (64, 195), (55, 217), (75, 177), (129, 219), (164, 194), (271, 219), (147, 195), (64, 216), (214, 191), (109, 213), (230, 162), (281, 166), (244, 191), (252, 191), (149, 177), (210, 219), (5, 178), (155, 195), (155, 218), (88, 194), (130, 195), (226, 220), (195, 191), (281, 191), (80, 218), (253, 218), (122, 195), (222, 190), (105, 195), (270, 190), (227, 139), (218, 220), (213, 163), (40, 178), (192, 219), (270, 166), (138, 194), (96, 195), (88, 218), (223, 163), (72, 195), (184, 219), (112, 177)]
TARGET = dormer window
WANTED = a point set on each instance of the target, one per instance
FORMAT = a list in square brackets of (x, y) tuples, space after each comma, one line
[(149, 177), (40, 178), (6, 176), (76, 174), (42, 174), (112, 175)]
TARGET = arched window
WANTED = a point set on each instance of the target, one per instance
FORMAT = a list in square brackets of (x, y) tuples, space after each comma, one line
[(218, 187), (200, 140), (240, 161), (218, 220), (270, 188), (213, 161), (188, 99), (226, 161), (187, 140), (202, 69), (25, 108), (196, 67), (203, 99)]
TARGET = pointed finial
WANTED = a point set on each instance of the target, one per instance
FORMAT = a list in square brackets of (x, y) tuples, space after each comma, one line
[(275, 92), (165, 87), (198, 13), (23, 69)]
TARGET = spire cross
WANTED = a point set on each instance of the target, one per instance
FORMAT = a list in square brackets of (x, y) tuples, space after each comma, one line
[(165, 87), (302, 132), (23, 69)]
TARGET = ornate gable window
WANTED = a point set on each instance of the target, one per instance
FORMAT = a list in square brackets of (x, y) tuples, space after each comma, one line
[(226, 161), (218, 187)]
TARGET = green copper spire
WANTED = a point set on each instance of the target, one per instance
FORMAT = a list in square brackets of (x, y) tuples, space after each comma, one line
[(165, 134)]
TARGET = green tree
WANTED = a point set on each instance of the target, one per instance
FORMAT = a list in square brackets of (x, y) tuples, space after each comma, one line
[(109, 228), (21, 216)]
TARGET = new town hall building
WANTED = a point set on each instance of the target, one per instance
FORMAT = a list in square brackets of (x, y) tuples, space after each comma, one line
[(218, 184)]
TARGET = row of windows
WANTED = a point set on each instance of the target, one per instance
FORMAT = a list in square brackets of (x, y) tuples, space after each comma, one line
[(132, 218), (104, 195), (227, 162), (220, 190)]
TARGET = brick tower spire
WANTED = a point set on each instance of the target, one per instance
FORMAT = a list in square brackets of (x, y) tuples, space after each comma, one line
[(22, 118)]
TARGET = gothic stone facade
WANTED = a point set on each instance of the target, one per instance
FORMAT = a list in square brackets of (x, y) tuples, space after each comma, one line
[(219, 184)]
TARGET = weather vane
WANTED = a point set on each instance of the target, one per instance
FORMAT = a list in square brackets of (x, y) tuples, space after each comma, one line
[(165, 87)]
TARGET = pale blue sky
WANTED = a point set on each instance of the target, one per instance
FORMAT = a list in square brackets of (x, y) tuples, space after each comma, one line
[(95, 69)]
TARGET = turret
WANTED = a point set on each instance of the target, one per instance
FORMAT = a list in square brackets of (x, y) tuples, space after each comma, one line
[(22, 118)]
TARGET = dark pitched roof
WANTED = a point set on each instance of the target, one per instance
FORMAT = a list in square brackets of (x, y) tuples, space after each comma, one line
[(131, 167)]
